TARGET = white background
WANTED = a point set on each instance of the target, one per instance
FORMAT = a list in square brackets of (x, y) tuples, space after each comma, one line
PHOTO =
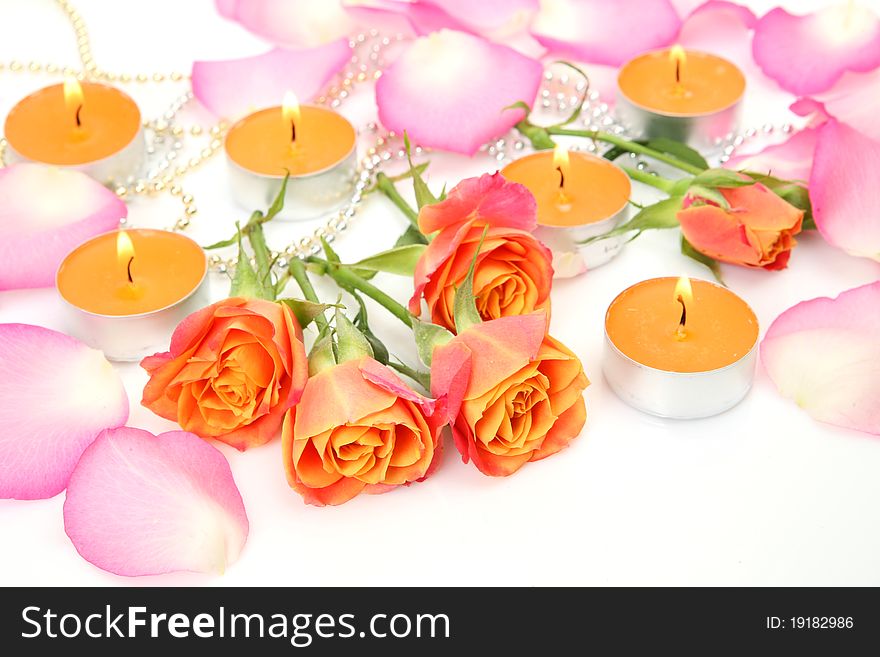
[(759, 495)]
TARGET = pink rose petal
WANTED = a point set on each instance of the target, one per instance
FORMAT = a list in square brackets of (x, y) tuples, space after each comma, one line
[(44, 213), (824, 354), (56, 396), (844, 190), (605, 32), (807, 54), (231, 88), (140, 504), (854, 100), (291, 23), (791, 159), (449, 90), (488, 16)]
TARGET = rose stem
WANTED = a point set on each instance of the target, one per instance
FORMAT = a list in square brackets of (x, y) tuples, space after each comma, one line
[(298, 271), (628, 145), (649, 179), (385, 185), (345, 277)]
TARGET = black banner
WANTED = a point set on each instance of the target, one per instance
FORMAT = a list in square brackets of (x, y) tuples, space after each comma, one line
[(335, 621)]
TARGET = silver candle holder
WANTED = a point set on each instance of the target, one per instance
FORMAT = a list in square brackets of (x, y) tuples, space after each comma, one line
[(567, 242), (702, 130), (112, 169), (308, 195), (674, 394), (132, 337)]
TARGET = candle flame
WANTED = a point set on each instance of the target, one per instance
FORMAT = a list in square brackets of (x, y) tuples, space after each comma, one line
[(124, 252), (678, 56), (73, 97), (684, 290), (561, 163), (290, 112)]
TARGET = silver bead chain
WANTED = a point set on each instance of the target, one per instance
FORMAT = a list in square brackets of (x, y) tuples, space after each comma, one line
[(169, 142)]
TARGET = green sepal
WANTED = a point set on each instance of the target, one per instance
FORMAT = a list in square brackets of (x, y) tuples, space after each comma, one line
[(246, 282), (722, 178), (428, 336), (465, 304), (306, 311), (350, 342), (423, 193), (411, 235), (322, 355)]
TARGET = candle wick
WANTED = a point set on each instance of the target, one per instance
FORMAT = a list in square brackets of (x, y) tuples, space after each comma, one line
[(677, 71), (128, 270), (683, 320), (292, 132), (561, 177), (77, 117)]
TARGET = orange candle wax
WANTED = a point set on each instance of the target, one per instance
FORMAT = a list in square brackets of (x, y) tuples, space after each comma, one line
[(72, 124), (131, 272), (645, 324), (571, 189), (301, 139), (676, 82)]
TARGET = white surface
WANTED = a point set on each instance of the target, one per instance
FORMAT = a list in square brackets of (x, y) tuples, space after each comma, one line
[(759, 495)]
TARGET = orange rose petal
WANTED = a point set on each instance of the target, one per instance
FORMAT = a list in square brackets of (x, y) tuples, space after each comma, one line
[(567, 427), (337, 396), (498, 466), (310, 468), (500, 348)]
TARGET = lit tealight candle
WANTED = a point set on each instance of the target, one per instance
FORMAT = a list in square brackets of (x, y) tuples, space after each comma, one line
[(579, 196), (684, 95), (126, 291), (315, 145), (86, 126), (680, 348)]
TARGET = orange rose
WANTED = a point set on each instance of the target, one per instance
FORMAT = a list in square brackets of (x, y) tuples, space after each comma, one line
[(513, 394), (756, 231), (358, 428), (233, 370), (513, 272)]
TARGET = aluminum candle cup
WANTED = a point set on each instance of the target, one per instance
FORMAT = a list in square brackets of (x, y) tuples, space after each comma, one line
[(688, 96), (660, 366), (579, 196), (126, 291), (317, 146), (86, 126)]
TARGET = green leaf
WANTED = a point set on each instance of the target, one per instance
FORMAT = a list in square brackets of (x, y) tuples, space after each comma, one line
[(723, 178), (714, 266), (669, 146), (465, 304), (656, 216), (278, 204), (306, 311), (679, 150), (350, 342), (329, 252), (423, 193), (221, 244), (427, 337), (322, 355), (411, 235), (400, 260)]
